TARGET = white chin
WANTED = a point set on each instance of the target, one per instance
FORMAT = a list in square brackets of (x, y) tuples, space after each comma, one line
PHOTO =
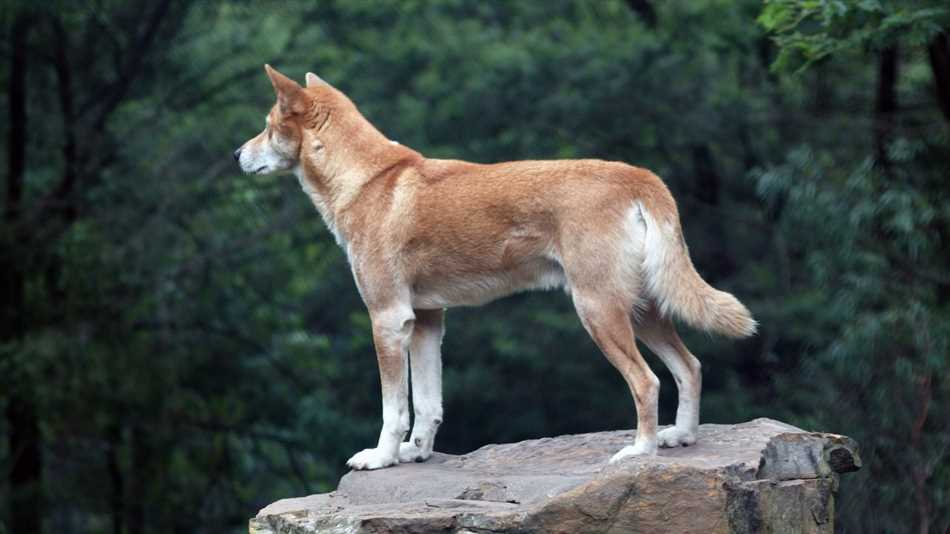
[(260, 169)]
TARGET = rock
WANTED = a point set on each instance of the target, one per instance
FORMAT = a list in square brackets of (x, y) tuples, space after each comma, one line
[(759, 476)]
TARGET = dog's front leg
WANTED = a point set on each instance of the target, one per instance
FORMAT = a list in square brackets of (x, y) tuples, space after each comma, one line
[(392, 329), (425, 358)]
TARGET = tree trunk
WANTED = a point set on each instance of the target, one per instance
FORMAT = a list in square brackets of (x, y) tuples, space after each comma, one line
[(885, 104), (939, 52), (62, 194), (919, 473), (26, 473), (141, 457), (708, 190), (115, 475)]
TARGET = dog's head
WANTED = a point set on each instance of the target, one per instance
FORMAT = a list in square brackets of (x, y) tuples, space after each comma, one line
[(292, 132)]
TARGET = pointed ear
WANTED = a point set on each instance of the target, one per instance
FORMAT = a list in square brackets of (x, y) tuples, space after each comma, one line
[(313, 80), (289, 93)]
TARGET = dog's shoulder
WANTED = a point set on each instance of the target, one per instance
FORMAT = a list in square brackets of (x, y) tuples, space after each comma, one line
[(432, 170)]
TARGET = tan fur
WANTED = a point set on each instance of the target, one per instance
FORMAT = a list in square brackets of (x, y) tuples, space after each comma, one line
[(427, 234)]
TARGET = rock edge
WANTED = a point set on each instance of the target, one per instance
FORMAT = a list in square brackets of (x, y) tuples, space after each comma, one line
[(758, 476)]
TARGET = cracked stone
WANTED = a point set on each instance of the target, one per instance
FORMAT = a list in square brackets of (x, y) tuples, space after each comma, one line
[(758, 476)]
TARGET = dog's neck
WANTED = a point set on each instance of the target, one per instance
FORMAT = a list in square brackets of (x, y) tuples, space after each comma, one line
[(338, 166)]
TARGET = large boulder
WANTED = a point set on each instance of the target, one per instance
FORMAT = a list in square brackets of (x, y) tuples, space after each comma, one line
[(759, 476)]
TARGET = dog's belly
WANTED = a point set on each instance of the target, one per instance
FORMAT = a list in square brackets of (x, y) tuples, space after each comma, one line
[(472, 289)]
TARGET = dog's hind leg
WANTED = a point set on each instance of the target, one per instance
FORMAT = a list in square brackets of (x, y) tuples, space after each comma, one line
[(659, 335), (607, 319), (425, 360)]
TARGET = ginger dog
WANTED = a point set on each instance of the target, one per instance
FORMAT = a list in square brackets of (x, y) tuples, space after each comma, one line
[(422, 235)]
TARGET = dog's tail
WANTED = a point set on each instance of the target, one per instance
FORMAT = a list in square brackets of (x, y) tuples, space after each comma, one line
[(678, 289)]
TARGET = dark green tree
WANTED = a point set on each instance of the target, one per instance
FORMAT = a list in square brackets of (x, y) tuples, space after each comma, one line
[(180, 344)]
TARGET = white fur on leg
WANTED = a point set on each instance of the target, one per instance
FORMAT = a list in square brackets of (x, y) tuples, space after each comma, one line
[(687, 419), (687, 411), (410, 452), (371, 459), (426, 360), (639, 448), (392, 329), (419, 447), (686, 370), (386, 452), (675, 436)]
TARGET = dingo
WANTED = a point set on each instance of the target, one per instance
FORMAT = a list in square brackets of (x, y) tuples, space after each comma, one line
[(422, 235)]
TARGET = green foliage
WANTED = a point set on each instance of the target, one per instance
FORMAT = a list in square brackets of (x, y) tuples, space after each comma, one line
[(872, 248), (877, 232), (808, 31), (195, 347)]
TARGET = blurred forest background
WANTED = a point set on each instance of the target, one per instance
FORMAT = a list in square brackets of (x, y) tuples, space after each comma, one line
[(181, 344)]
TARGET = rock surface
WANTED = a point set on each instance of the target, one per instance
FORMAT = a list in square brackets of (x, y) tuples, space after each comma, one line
[(759, 476)]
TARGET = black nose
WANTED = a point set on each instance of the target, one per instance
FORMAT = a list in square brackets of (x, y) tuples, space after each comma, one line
[(237, 155)]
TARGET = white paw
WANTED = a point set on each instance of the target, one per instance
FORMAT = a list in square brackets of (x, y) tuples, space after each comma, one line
[(675, 436), (637, 449), (371, 459), (409, 452)]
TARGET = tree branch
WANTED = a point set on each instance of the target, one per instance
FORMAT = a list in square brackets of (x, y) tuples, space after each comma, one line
[(16, 139), (23, 432), (132, 65), (886, 104), (65, 91)]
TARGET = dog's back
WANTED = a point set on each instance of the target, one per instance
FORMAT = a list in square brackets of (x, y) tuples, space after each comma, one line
[(463, 234)]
